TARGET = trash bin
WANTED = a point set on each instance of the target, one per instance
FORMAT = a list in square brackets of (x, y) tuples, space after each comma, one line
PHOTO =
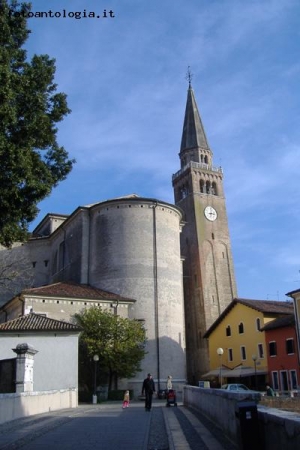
[(246, 413)]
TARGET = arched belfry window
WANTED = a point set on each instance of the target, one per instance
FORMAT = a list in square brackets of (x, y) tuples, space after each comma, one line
[(214, 188), (241, 328), (202, 186), (184, 191), (207, 187), (206, 159)]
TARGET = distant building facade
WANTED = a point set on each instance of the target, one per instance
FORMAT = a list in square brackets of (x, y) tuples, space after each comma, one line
[(239, 332), (282, 353), (295, 295)]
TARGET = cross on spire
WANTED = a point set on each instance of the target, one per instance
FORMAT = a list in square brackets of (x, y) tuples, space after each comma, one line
[(189, 76)]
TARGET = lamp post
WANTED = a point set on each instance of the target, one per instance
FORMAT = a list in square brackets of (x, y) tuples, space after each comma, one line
[(220, 352), (254, 358), (96, 359)]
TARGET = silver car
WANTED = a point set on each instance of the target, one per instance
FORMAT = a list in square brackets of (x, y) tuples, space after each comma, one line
[(237, 387)]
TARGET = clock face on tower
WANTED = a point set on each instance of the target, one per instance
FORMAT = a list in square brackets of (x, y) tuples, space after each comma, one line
[(210, 213)]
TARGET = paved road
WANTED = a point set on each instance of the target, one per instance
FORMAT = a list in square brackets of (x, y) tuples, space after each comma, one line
[(85, 428), (107, 426)]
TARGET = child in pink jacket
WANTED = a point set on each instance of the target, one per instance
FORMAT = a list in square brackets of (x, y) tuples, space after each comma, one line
[(126, 399)]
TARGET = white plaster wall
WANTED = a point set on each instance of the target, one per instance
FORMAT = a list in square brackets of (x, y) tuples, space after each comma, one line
[(55, 364)]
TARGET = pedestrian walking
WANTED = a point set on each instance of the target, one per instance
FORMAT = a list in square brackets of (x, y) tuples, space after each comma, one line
[(126, 400), (169, 382), (270, 392), (148, 388)]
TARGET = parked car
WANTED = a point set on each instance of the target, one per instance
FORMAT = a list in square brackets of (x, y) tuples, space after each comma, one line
[(237, 387)]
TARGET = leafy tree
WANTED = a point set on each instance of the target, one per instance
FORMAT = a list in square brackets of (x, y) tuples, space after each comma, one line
[(31, 161), (119, 342)]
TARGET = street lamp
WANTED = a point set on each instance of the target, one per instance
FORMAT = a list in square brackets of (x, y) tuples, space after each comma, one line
[(96, 359), (220, 352), (254, 359)]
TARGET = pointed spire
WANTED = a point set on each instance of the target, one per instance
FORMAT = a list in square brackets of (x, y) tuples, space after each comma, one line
[(193, 134)]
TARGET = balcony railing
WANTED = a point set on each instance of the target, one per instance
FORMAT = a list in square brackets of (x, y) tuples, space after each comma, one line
[(196, 165)]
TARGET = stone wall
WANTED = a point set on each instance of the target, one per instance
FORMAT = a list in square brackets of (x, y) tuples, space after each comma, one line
[(277, 429), (15, 406)]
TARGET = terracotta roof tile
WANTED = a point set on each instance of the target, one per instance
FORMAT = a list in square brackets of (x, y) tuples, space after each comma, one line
[(73, 290), (268, 306), (36, 322)]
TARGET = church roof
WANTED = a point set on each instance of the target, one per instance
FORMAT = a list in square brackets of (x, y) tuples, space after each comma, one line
[(267, 307), (129, 196), (36, 322), (74, 290), (193, 134)]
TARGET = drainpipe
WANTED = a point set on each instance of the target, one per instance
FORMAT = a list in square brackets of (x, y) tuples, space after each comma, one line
[(156, 295), (23, 305)]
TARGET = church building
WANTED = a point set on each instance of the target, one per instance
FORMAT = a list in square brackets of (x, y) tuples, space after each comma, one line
[(169, 266)]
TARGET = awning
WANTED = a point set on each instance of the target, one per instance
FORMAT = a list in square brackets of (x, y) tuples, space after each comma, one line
[(215, 372), (243, 371), (237, 372)]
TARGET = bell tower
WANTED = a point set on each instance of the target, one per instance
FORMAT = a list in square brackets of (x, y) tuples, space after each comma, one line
[(208, 273)]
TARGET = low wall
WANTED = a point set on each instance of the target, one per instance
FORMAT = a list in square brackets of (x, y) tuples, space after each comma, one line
[(14, 406), (278, 429)]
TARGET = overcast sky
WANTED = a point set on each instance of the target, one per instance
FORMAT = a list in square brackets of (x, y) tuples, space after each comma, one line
[(125, 81)]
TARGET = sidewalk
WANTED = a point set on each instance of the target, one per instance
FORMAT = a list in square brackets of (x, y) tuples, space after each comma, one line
[(109, 427)]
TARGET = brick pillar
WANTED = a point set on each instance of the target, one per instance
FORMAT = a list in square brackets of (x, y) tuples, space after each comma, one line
[(24, 370)]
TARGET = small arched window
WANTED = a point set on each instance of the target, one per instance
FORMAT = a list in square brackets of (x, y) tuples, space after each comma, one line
[(228, 330), (241, 328), (258, 324)]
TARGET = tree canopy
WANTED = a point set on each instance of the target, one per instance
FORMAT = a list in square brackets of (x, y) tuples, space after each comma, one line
[(119, 343), (31, 161)]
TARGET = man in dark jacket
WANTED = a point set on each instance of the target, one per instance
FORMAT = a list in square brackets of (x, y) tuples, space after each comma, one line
[(148, 388)]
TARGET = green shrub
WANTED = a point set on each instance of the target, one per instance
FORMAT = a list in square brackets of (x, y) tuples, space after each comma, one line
[(118, 394)]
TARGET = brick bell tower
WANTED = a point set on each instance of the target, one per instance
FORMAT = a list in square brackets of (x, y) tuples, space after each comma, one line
[(208, 273)]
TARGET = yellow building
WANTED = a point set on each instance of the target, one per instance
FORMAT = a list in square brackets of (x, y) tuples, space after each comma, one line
[(237, 344)]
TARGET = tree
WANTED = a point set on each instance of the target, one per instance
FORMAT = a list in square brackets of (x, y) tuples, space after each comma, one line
[(16, 272), (119, 342), (31, 161)]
